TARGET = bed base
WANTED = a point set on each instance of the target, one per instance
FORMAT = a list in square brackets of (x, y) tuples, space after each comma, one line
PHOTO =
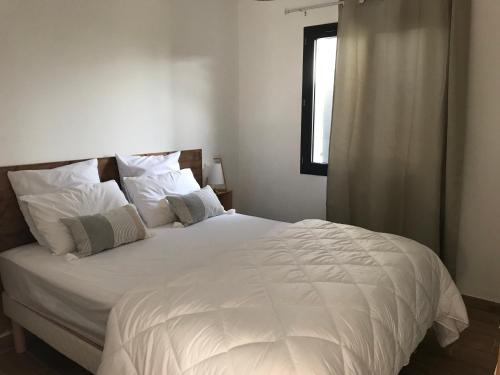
[(73, 346)]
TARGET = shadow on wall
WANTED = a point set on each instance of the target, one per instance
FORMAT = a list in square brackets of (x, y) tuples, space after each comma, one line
[(204, 77), (123, 76)]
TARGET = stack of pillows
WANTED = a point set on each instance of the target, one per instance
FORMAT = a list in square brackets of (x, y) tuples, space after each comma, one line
[(69, 210)]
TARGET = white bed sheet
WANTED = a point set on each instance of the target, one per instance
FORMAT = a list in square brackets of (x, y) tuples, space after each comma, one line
[(80, 294)]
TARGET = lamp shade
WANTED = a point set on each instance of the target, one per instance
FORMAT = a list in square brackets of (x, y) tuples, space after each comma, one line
[(216, 176)]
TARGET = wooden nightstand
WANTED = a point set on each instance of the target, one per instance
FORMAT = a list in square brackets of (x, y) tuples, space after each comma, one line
[(226, 199)]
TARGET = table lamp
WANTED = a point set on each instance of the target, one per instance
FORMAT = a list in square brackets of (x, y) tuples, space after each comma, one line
[(216, 177)]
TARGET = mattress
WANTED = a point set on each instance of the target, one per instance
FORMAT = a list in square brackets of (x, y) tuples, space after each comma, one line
[(80, 294)]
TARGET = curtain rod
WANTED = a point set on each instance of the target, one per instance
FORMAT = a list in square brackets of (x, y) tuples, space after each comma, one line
[(317, 6)]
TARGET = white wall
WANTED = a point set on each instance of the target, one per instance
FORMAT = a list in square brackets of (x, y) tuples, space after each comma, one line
[(90, 78), (205, 79), (270, 84), (479, 253)]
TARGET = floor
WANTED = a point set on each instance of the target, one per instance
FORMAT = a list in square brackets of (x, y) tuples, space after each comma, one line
[(474, 354)]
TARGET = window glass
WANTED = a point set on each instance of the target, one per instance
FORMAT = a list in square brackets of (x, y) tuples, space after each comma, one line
[(318, 81), (324, 78)]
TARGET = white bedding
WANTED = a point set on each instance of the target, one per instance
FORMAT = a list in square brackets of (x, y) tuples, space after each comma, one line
[(81, 294), (318, 298)]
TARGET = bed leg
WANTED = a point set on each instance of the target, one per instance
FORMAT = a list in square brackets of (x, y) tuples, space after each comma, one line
[(19, 338)]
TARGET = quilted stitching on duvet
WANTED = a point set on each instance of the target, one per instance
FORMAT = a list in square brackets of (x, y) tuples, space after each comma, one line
[(316, 298)]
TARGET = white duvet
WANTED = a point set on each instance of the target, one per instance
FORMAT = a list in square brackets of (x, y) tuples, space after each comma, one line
[(314, 298)]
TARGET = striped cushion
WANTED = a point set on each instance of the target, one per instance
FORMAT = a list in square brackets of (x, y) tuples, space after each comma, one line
[(96, 233), (195, 207)]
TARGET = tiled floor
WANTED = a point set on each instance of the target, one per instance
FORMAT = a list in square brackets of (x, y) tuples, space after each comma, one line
[(474, 354)]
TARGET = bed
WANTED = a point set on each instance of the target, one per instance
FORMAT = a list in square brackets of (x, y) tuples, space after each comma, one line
[(234, 293)]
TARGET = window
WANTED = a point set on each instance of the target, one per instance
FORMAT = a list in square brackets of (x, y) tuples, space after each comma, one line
[(320, 52)]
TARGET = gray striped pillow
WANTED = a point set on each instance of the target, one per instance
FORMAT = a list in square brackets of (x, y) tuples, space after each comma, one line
[(195, 207), (96, 233)]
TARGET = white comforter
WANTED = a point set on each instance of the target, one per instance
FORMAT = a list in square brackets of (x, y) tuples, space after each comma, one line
[(315, 298)]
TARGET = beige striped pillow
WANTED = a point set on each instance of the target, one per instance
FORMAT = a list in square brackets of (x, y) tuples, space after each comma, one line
[(96, 233), (195, 207)]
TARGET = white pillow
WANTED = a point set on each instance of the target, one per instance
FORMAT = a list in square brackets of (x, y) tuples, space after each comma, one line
[(148, 194), (91, 199), (49, 181), (134, 166)]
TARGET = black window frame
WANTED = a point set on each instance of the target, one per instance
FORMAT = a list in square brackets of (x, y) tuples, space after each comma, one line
[(311, 34)]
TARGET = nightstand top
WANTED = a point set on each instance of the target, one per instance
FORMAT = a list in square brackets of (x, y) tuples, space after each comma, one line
[(221, 193)]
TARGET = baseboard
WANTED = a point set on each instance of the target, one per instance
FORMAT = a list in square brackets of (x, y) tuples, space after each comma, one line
[(482, 304)]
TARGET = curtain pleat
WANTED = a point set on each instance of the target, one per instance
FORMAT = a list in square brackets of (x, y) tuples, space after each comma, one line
[(397, 127)]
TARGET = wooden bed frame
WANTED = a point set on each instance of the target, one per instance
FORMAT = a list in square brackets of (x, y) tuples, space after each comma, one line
[(14, 232)]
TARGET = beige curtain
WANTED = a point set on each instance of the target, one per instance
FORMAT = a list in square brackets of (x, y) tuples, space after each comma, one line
[(398, 119)]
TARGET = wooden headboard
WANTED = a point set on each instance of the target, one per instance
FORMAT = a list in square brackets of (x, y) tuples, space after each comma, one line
[(14, 231)]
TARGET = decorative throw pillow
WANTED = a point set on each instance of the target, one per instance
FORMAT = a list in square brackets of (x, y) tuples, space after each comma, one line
[(195, 207), (96, 233)]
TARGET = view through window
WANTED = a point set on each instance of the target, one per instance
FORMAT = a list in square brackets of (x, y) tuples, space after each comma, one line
[(320, 51)]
